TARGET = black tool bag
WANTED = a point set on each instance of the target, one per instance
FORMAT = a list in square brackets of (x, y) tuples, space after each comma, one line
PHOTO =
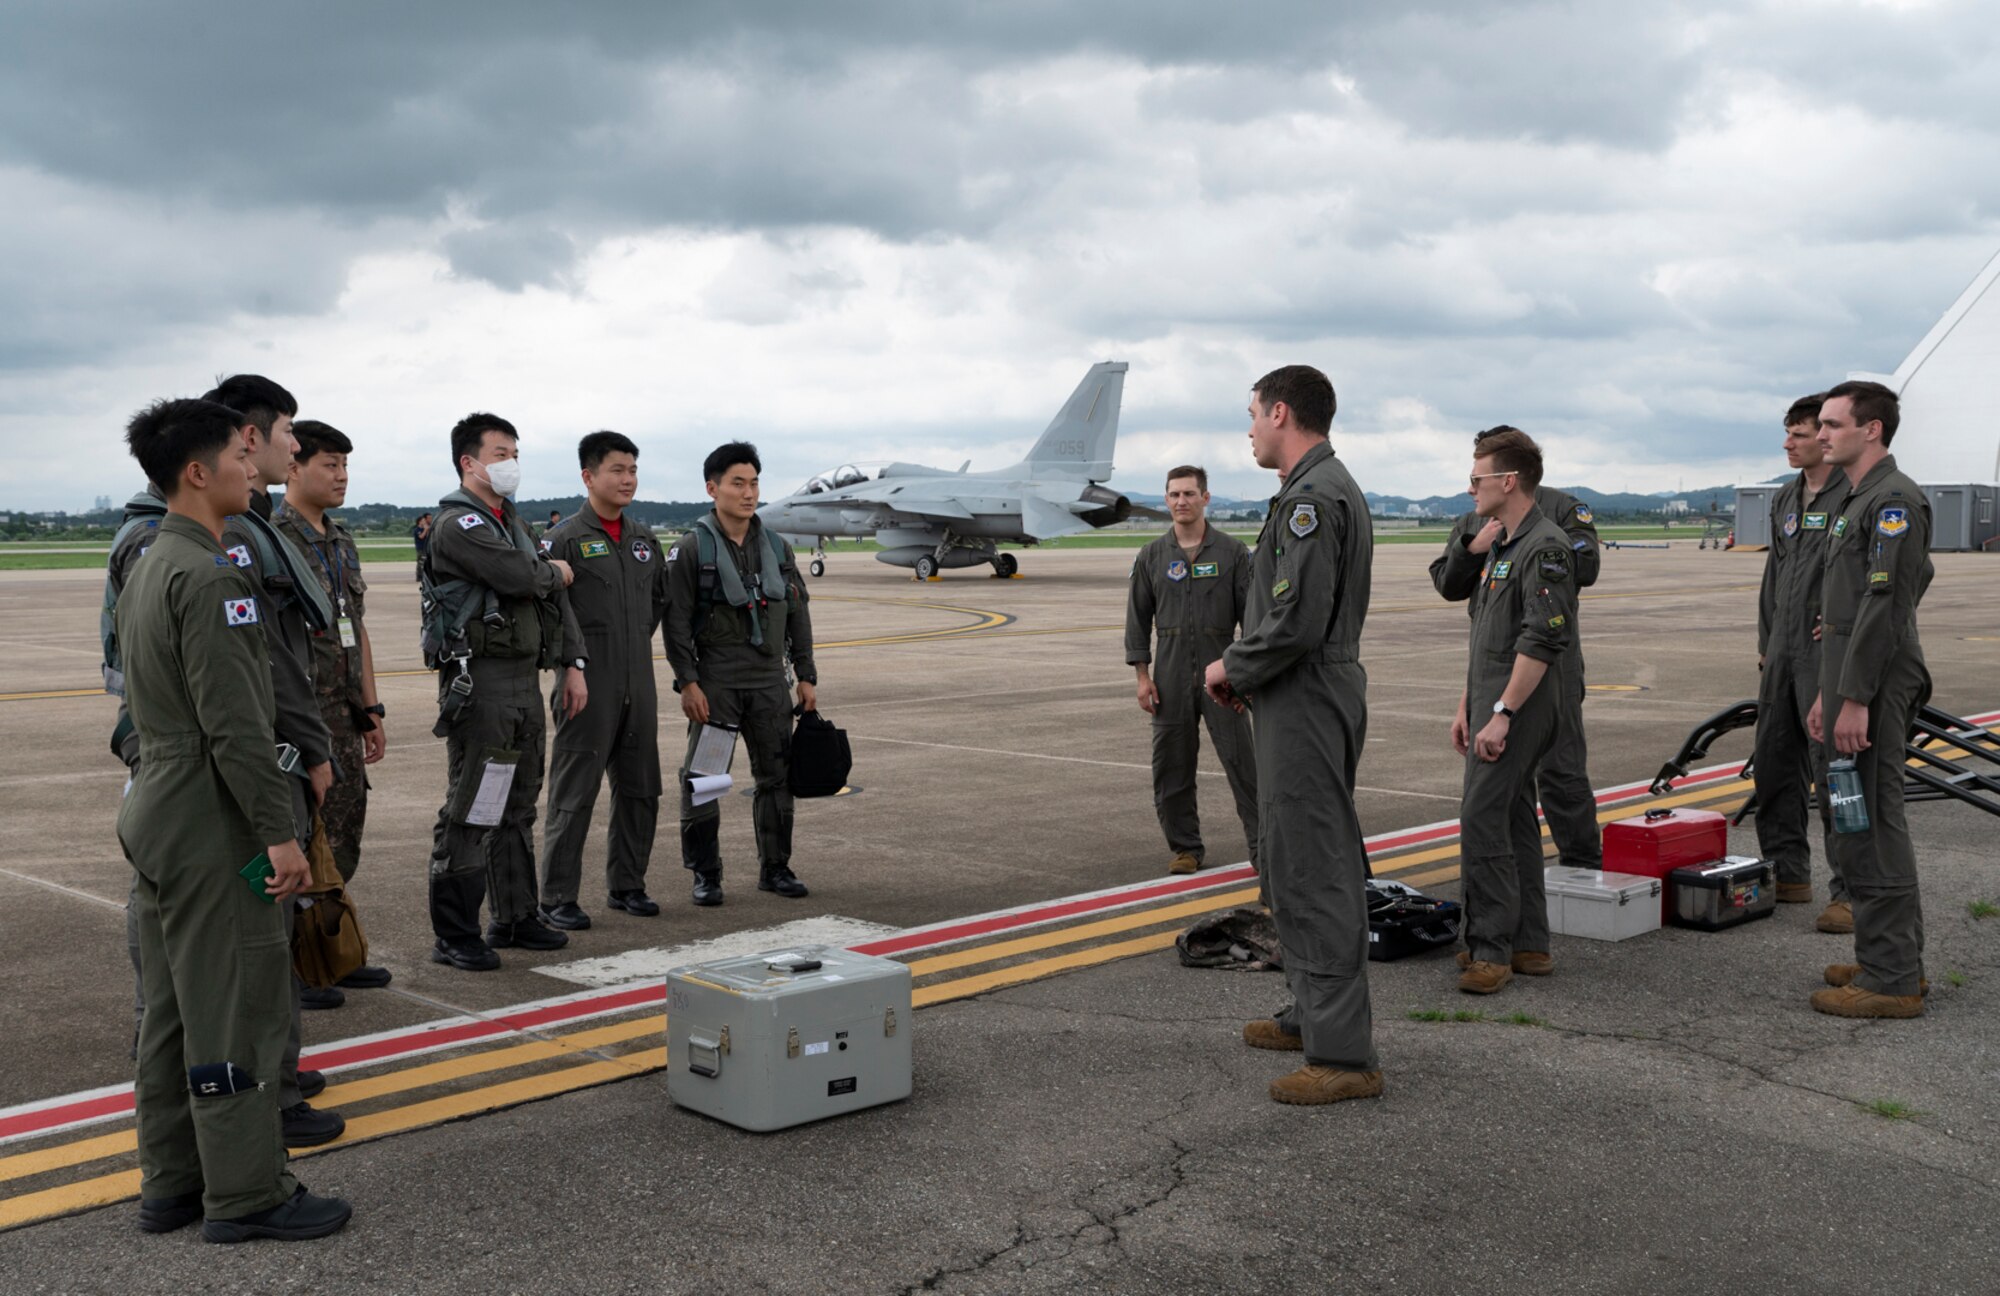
[(1403, 921), (821, 759)]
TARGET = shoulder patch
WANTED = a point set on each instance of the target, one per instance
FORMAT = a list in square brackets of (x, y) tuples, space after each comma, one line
[(1304, 520), (467, 521), (1892, 522), (1177, 570), (239, 554), (546, 546), (1583, 513), (221, 560), (1554, 565), (240, 611), (642, 551), (675, 552)]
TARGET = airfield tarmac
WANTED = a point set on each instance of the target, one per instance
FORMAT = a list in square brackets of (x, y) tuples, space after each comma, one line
[(1673, 1117)]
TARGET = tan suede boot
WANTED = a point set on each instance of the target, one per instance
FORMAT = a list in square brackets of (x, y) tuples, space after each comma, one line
[(1837, 918), (1526, 962), (1794, 892), (1314, 1086), (1184, 863), (1264, 1034), (1482, 977), (1852, 1001), (1840, 974)]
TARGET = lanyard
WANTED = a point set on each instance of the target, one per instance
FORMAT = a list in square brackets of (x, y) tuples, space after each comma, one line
[(336, 571)]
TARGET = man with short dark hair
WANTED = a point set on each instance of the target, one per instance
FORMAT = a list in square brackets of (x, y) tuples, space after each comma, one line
[(1788, 764), (1190, 587), (1298, 665), (736, 616), (1873, 680), (343, 659), (618, 597), (503, 600), (208, 805), (1523, 623), (1568, 798)]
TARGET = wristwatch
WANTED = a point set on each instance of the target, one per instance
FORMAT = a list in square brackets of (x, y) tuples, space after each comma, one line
[(1501, 708), (379, 711), (578, 663)]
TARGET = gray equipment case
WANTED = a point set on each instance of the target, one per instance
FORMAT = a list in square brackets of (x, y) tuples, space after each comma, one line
[(1710, 897), (774, 1040)]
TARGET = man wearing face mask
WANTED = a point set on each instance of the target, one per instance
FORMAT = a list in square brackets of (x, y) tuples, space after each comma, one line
[(507, 620)]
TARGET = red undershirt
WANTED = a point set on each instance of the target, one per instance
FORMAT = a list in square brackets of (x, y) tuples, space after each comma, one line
[(612, 526)]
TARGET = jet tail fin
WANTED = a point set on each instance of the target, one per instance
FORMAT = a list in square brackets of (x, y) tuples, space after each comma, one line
[(1079, 442)]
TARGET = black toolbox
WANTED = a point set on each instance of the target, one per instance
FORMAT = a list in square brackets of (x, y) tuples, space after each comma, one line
[(1709, 897)]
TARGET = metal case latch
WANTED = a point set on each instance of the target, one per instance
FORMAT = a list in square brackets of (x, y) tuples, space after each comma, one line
[(792, 1042), (889, 1022), (705, 1055)]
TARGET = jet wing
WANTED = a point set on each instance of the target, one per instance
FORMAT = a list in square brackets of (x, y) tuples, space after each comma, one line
[(1042, 520), (902, 496)]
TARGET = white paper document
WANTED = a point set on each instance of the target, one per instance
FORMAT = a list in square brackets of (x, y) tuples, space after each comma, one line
[(714, 750), (709, 787), (491, 800)]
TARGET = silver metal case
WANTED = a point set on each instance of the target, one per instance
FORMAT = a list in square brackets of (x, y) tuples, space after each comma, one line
[(765, 1042)]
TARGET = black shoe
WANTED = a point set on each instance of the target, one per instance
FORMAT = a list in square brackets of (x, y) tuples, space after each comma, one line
[(365, 978), (466, 958), (315, 998), (299, 1217), (165, 1214), (305, 1127), (527, 934), (568, 916), (637, 903), (311, 1084), (780, 879), (707, 889)]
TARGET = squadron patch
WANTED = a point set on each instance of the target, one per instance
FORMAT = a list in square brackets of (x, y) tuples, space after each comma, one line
[(595, 549), (467, 521), (1792, 524), (1815, 522), (240, 611), (1282, 588), (1503, 569), (642, 551), (1558, 621), (1304, 520), (1878, 578), (1583, 513), (239, 554), (1177, 570), (1840, 526), (221, 560), (1892, 522), (1554, 567), (1207, 571)]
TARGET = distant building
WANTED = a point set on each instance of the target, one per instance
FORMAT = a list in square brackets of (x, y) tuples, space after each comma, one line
[(103, 503), (1947, 388), (1675, 508)]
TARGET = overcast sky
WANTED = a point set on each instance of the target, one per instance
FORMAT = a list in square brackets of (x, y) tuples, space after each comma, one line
[(850, 231)]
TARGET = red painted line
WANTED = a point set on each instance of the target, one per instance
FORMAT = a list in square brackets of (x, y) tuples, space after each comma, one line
[(117, 1104)]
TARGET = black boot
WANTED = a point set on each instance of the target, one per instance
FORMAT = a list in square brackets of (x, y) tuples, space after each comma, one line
[(701, 852), (778, 877)]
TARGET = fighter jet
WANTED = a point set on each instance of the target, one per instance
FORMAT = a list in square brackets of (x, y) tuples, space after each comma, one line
[(928, 518)]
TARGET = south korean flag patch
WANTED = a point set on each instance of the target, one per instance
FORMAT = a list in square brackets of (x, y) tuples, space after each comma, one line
[(467, 521), (240, 555), (240, 611), (1304, 520)]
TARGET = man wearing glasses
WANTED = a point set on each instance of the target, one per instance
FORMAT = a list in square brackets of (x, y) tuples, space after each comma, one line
[(1569, 800), (1523, 625)]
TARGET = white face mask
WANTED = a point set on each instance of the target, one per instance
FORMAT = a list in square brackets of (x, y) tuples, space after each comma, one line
[(504, 476)]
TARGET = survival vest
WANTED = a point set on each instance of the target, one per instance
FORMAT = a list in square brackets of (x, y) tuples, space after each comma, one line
[(462, 619), (717, 582)]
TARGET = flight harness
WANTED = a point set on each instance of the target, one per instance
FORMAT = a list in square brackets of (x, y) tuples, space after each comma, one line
[(719, 582), (448, 607)]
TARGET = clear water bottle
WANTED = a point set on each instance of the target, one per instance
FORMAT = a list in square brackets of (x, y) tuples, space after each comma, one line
[(1850, 808)]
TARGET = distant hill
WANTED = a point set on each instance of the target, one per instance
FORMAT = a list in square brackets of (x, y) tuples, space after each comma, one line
[(1606, 503)]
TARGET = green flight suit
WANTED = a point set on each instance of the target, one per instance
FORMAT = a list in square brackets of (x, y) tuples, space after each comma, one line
[(1878, 565), (1787, 765), (710, 643), (1568, 798), (1194, 605), (1298, 664), (337, 678), (127, 547), (207, 798), (618, 597), (493, 864), (1525, 604)]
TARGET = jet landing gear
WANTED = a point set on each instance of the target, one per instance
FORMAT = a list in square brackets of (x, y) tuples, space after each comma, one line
[(818, 565), (1004, 566), (926, 568)]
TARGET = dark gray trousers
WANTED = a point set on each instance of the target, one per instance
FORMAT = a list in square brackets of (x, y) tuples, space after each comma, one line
[(1880, 864), (1787, 766), (470, 863), (1569, 802), (1176, 760), (616, 736), (1500, 840)]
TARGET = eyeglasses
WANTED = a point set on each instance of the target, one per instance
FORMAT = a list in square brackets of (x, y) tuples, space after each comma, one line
[(1479, 477)]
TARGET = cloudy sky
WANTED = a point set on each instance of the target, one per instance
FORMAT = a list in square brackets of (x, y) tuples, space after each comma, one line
[(903, 230)]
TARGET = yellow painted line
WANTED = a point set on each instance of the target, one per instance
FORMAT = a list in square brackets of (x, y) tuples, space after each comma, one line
[(86, 1150), (965, 987), (123, 1185), (51, 693), (1073, 935)]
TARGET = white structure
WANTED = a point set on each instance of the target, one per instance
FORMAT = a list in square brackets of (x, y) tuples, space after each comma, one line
[(1675, 508), (1948, 385)]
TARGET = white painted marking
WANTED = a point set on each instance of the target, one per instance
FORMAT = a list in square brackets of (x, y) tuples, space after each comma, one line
[(653, 964), (119, 905)]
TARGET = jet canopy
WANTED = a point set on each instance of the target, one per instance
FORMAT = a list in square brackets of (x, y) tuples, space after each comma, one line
[(845, 475)]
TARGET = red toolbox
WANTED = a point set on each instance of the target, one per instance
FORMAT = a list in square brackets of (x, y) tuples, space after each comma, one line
[(1660, 841)]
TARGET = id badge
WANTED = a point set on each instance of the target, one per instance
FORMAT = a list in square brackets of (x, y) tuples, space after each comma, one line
[(347, 639)]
